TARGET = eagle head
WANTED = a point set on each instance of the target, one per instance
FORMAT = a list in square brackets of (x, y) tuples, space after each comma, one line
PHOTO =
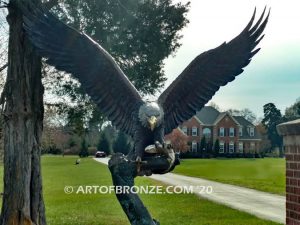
[(151, 115)]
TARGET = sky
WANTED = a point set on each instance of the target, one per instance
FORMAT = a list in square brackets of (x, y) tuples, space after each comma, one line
[(273, 74)]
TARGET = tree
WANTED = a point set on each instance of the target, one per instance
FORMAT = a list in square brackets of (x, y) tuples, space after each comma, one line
[(178, 140), (104, 145), (159, 23), (23, 95), (121, 143), (3, 45), (139, 35), (209, 146), (216, 147), (84, 149), (272, 117), (54, 135), (265, 144), (214, 105), (203, 143), (246, 113), (293, 112)]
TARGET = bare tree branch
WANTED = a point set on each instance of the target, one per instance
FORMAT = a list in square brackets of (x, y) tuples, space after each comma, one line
[(3, 67), (51, 3)]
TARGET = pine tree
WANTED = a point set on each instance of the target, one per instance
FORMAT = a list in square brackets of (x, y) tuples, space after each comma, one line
[(272, 117), (203, 143), (121, 144), (217, 147), (104, 144), (84, 149)]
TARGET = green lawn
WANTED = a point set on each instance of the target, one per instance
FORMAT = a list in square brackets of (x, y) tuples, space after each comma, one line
[(100, 209), (266, 174)]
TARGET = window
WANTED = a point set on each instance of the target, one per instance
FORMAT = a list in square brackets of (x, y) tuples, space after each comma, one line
[(240, 131), (231, 147), (231, 132), (207, 133), (252, 145), (194, 146), (194, 131), (241, 147), (251, 131), (222, 147), (184, 130), (222, 132)]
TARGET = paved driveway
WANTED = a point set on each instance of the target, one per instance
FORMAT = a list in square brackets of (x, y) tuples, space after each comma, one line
[(261, 204)]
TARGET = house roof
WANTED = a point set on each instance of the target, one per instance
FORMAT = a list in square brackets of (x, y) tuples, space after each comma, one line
[(208, 115), (242, 121), (222, 115), (245, 124)]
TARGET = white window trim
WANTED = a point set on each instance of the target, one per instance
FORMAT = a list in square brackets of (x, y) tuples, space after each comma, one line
[(231, 134), (222, 150), (194, 144), (194, 131), (207, 135), (251, 133), (241, 147), (222, 132), (241, 131), (184, 130), (231, 147)]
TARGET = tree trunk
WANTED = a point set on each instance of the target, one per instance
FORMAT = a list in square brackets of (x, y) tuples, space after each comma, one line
[(123, 172), (23, 114)]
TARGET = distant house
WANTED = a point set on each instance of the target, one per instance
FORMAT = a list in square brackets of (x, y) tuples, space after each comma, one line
[(235, 134)]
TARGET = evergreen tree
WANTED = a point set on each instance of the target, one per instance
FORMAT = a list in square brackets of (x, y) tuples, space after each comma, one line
[(104, 144), (272, 117), (203, 144), (293, 112), (139, 34), (121, 144), (217, 147), (84, 149)]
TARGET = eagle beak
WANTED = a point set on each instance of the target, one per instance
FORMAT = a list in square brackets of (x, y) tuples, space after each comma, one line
[(152, 122)]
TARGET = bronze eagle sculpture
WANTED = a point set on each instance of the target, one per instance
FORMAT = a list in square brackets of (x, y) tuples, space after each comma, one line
[(146, 122)]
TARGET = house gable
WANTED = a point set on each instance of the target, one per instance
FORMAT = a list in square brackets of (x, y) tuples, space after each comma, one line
[(224, 116)]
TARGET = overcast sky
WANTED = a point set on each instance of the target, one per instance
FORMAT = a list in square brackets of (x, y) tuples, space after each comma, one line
[(274, 73)]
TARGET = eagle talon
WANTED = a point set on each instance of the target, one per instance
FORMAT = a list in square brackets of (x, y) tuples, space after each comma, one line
[(138, 161)]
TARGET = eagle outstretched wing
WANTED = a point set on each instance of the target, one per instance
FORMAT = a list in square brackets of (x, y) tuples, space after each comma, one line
[(203, 77), (71, 51)]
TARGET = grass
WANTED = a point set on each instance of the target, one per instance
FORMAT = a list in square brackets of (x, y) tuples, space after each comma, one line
[(100, 209), (266, 174)]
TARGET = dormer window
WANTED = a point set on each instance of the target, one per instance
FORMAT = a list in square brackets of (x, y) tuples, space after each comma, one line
[(251, 133), (241, 131)]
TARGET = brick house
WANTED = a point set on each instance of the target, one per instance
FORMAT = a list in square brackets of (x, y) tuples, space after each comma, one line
[(235, 134)]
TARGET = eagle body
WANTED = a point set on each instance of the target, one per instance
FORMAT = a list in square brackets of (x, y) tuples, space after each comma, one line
[(147, 122), (144, 135)]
